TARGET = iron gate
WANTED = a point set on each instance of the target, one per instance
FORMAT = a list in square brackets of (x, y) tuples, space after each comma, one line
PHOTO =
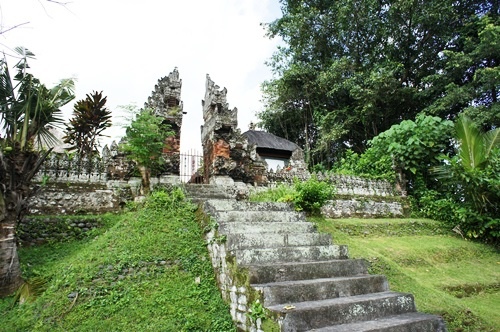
[(191, 167)]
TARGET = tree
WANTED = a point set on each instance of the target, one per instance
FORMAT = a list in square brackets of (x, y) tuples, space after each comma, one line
[(90, 119), (350, 69), (27, 108), (470, 80), (144, 141)]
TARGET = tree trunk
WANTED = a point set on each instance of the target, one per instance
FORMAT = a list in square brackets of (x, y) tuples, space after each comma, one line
[(10, 271), (146, 183), (16, 171)]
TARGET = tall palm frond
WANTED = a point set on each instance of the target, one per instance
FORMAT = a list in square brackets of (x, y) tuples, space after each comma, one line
[(491, 140), (472, 148)]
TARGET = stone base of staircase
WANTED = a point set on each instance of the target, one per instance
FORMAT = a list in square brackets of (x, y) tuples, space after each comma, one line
[(267, 254)]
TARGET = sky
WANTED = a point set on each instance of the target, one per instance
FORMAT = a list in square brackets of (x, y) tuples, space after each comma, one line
[(123, 47)]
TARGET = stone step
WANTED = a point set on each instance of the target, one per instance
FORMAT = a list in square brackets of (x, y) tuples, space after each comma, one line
[(320, 289), (266, 227), (201, 198), (266, 273), (205, 192), (274, 240), (234, 205), (289, 254), (260, 216), (304, 316), (409, 322)]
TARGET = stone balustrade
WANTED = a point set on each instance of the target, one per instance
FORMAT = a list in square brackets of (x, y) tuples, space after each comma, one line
[(344, 184)]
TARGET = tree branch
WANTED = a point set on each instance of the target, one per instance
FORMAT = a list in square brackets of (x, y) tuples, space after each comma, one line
[(14, 27), (59, 2)]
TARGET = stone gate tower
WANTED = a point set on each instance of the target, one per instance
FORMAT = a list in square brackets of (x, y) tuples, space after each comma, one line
[(226, 152), (166, 102)]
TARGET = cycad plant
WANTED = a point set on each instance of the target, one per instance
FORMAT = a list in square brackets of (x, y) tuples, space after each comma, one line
[(27, 110)]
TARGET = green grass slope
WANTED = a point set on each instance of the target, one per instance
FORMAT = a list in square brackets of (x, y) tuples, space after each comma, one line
[(147, 270), (448, 276)]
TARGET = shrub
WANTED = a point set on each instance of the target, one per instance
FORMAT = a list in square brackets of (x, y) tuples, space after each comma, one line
[(459, 216), (165, 199), (308, 196), (282, 193), (312, 195)]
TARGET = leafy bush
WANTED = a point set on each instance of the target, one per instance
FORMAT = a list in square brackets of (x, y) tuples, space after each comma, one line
[(469, 184), (308, 196), (282, 193), (366, 165), (460, 216), (312, 195), (412, 146), (165, 199)]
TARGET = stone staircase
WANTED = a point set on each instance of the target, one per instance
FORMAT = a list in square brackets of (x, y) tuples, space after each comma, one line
[(270, 253)]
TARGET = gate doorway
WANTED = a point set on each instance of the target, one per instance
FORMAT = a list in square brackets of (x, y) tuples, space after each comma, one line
[(191, 167)]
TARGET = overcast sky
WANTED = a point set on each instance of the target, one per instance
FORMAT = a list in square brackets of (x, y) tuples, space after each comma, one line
[(122, 47)]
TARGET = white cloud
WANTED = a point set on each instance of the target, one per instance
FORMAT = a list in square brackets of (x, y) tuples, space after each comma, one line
[(123, 48)]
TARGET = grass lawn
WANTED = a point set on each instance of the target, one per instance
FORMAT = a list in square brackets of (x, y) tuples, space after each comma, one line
[(146, 270), (449, 276)]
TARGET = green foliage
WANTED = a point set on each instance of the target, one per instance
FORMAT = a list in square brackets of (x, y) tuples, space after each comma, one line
[(348, 70), (165, 200), (281, 193), (145, 138), (312, 195), (470, 77), (475, 146), (414, 146), (411, 146), (144, 141), (367, 165), (28, 107), (454, 206), (90, 119), (257, 311), (308, 196), (469, 194), (149, 270)]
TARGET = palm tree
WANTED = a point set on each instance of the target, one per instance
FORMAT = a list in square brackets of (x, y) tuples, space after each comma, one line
[(27, 109)]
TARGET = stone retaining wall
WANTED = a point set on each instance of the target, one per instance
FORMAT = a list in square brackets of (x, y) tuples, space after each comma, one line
[(233, 283), (35, 231), (363, 208), (68, 198)]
